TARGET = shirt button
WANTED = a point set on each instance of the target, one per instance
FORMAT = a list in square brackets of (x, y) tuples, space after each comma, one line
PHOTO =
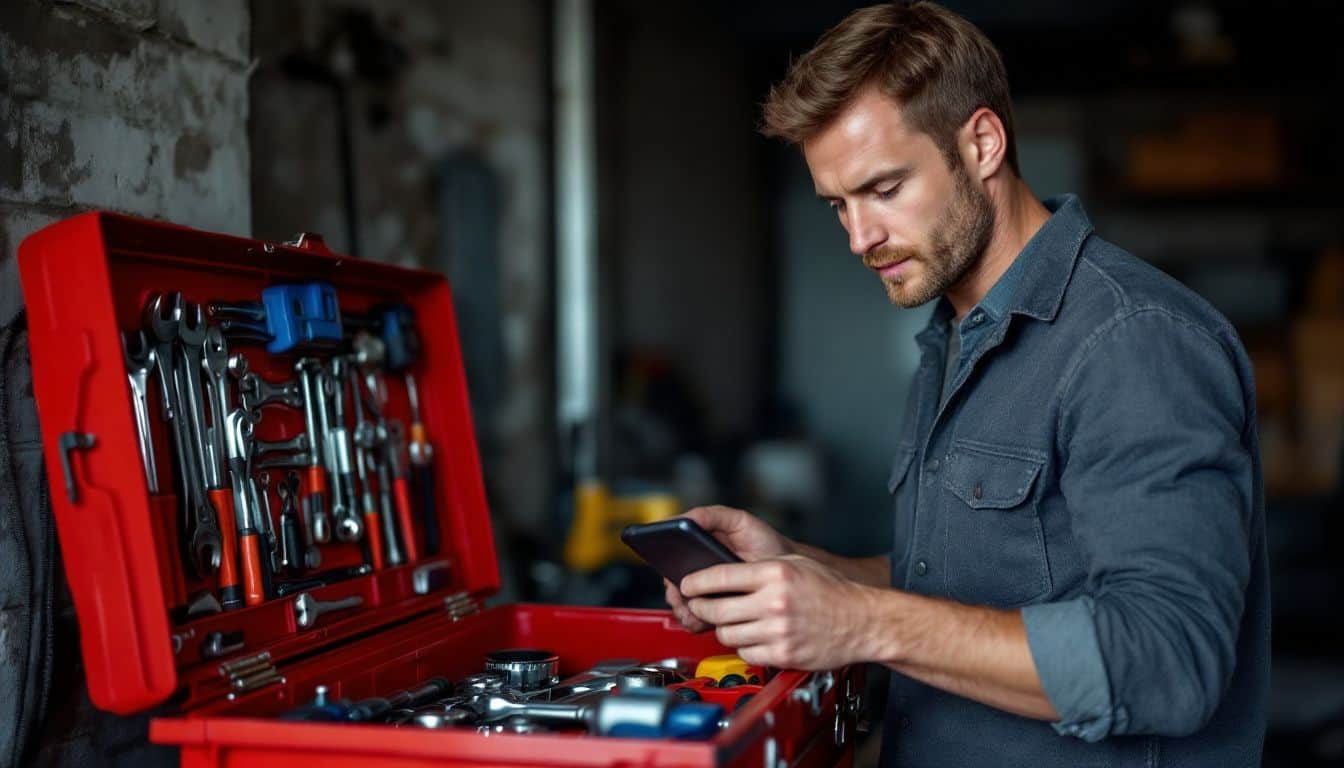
[(921, 568), (933, 465)]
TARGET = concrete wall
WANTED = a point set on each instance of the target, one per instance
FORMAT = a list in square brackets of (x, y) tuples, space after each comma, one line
[(137, 106), (474, 85)]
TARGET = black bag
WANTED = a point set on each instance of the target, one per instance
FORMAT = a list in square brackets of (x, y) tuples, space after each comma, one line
[(46, 718)]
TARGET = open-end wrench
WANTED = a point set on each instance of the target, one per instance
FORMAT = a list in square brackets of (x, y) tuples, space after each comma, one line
[(365, 439), (239, 425), (270, 542), (314, 413), (206, 542), (140, 357), (349, 523), (164, 320), (307, 609), (296, 444), (215, 363)]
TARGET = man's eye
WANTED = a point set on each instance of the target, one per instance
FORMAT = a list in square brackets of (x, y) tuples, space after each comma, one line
[(838, 206), (888, 193)]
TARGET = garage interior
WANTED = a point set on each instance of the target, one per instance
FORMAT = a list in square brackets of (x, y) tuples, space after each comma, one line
[(648, 291)]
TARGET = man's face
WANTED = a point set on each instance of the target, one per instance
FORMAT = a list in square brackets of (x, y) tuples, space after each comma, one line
[(917, 223)]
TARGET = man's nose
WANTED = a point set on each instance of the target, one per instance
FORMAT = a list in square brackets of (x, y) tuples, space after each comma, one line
[(865, 233)]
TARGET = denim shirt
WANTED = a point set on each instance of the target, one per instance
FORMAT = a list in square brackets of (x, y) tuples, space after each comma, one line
[(1096, 466)]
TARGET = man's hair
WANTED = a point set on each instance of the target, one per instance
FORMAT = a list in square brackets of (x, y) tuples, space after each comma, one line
[(938, 66)]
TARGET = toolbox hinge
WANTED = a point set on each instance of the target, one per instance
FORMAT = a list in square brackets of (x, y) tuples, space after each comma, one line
[(461, 605), (250, 673)]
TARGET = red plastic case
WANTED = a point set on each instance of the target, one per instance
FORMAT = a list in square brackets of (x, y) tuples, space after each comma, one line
[(87, 279)]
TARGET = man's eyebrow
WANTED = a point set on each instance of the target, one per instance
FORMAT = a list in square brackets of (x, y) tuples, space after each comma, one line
[(879, 177)]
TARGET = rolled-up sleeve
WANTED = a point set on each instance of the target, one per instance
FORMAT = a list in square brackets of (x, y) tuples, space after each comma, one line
[(1158, 485)]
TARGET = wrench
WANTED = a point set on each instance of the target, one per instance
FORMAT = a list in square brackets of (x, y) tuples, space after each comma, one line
[(295, 444), (307, 609), (319, 524), (349, 523), (256, 391), (164, 317), (206, 542), (365, 441), (238, 425), (140, 358), (231, 518)]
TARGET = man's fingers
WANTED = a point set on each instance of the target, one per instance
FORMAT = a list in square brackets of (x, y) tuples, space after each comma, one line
[(729, 577), (716, 519), (747, 633), (724, 610)]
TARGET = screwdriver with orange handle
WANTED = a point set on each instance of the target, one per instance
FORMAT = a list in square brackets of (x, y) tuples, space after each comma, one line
[(422, 458), (401, 490)]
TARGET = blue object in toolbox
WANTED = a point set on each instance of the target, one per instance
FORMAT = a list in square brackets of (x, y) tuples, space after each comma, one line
[(400, 338), (305, 315)]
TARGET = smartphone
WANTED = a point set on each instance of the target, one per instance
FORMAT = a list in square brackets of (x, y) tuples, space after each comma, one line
[(676, 547)]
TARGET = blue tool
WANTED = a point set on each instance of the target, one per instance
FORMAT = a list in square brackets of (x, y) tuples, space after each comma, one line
[(306, 315), (399, 336)]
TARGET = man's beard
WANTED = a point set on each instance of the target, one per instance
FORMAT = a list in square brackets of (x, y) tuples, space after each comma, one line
[(956, 244)]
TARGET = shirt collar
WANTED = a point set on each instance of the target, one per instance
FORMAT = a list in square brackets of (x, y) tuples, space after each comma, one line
[(1034, 284)]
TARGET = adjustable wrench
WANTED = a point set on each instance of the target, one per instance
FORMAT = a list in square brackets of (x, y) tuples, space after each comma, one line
[(314, 412), (204, 546), (140, 358), (349, 523)]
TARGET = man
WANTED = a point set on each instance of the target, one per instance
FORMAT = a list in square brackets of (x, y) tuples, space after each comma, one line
[(1079, 568)]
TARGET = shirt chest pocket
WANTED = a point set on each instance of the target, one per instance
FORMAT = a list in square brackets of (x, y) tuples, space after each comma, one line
[(903, 511), (995, 547)]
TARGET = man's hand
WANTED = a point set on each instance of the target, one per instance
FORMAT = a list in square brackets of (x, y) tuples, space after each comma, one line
[(794, 613), (749, 537)]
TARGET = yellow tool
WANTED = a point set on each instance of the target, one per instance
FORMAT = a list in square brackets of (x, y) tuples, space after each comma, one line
[(595, 537), (729, 671)]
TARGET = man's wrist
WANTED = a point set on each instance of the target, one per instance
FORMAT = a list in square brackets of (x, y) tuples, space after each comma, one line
[(882, 636)]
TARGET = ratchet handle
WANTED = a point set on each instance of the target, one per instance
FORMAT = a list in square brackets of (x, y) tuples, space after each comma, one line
[(429, 516), (401, 492), (254, 586), (230, 594)]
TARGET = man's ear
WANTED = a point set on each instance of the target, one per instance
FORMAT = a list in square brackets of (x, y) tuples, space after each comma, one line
[(984, 143)]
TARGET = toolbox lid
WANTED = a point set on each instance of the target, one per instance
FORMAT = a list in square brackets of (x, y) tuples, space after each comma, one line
[(85, 280)]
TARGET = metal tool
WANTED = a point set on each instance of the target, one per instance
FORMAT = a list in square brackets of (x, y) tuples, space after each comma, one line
[(307, 609), (173, 326), (431, 576), (251, 311), (422, 459), (255, 392), (140, 358), (270, 542), (525, 669), (394, 448), (348, 521), (218, 644), (293, 556), (215, 364), (314, 414), (375, 709), (365, 443), (322, 579), (238, 425), (435, 717)]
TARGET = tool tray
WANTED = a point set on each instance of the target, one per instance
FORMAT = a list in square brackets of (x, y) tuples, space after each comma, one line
[(86, 280)]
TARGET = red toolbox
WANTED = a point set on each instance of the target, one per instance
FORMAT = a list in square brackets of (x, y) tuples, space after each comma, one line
[(147, 580)]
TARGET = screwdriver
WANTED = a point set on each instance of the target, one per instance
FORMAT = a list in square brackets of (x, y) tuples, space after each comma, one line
[(422, 458)]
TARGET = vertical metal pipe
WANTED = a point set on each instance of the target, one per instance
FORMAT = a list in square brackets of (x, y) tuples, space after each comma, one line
[(577, 363)]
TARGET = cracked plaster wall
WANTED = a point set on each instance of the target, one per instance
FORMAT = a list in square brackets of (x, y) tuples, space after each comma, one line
[(137, 106)]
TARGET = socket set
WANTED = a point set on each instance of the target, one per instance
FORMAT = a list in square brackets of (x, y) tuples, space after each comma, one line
[(520, 691), (269, 503)]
